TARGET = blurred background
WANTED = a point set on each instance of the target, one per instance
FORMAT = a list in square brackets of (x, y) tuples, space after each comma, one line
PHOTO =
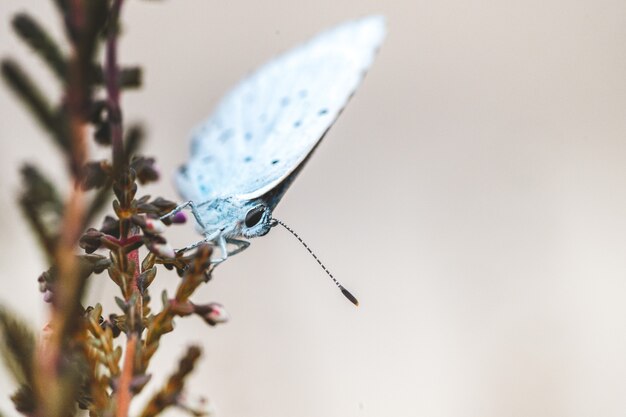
[(472, 195)]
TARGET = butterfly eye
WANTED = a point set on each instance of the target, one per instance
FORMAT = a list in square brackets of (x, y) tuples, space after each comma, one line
[(254, 216)]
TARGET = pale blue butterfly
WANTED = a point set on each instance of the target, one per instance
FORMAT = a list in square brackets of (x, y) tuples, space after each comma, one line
[(248, 153)]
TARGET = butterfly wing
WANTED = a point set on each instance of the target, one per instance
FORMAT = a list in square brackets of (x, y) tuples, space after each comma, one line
[(263, 131)]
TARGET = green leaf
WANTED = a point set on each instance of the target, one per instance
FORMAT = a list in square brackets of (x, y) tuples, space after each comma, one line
[(42, 206), (36, 37), (170, 393), (121, 304), (17, 345), (24, 400), (63, 6), (32, 97), (127, 78)]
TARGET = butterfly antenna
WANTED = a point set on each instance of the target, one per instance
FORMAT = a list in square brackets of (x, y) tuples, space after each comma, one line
[(343, 290)]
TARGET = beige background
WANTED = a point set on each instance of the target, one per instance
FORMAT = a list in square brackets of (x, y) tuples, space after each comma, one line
[(473, 195)]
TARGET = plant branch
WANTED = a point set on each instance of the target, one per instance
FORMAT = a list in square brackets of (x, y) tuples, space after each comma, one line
[(124, 394), (111, 76), (65, 317), (170, 394)]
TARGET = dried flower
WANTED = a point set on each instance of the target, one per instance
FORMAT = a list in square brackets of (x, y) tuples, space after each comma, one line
[(110, 226), (145, 169), (91, 240), (95, 174)]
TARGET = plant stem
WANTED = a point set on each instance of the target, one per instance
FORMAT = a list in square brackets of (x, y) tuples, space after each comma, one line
[(123, 390), (112, 86), (65, 310), (121, 173)]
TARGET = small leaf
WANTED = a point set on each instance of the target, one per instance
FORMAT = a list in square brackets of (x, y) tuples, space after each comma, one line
[(133, 140), (91, 240), (17, 345), (33, 98), (145, 278), (42, 207), (145, 169), (102, 134), (128, 77), (24, 400), (169, 395), (148, 261), (36, 37), (121, 304)]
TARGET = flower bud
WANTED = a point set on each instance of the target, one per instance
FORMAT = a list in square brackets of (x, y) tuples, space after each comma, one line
[(179, 218), (212, 313), (42, 280), (155, 226), (164, 250)]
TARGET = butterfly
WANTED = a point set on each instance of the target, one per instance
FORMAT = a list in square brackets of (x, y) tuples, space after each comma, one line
[(244, 157)]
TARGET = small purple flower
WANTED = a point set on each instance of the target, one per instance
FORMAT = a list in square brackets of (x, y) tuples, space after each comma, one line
[(179, 218)]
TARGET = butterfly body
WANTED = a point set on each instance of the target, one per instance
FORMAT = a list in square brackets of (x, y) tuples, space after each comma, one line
[(248, 153)]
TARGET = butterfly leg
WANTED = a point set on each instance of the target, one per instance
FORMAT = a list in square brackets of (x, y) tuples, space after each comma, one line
[(217, 239), (222, 242), (192, 246), (210, 239), (194, 211), (241, 245)]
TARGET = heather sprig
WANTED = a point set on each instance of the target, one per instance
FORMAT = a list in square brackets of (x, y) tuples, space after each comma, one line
[(86, 358)]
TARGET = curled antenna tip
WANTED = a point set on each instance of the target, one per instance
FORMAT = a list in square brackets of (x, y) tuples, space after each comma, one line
[(349, 296)]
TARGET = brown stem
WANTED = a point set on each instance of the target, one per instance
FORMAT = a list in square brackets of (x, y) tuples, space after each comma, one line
[(66, 302), (121, 177), (113, 89), (124, 394), (137, 310)]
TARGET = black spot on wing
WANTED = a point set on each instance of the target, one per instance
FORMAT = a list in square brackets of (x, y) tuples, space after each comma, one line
[(226, 135), (275, 161), (247, 159), (297, 123), (195, 145), (322, 112)]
